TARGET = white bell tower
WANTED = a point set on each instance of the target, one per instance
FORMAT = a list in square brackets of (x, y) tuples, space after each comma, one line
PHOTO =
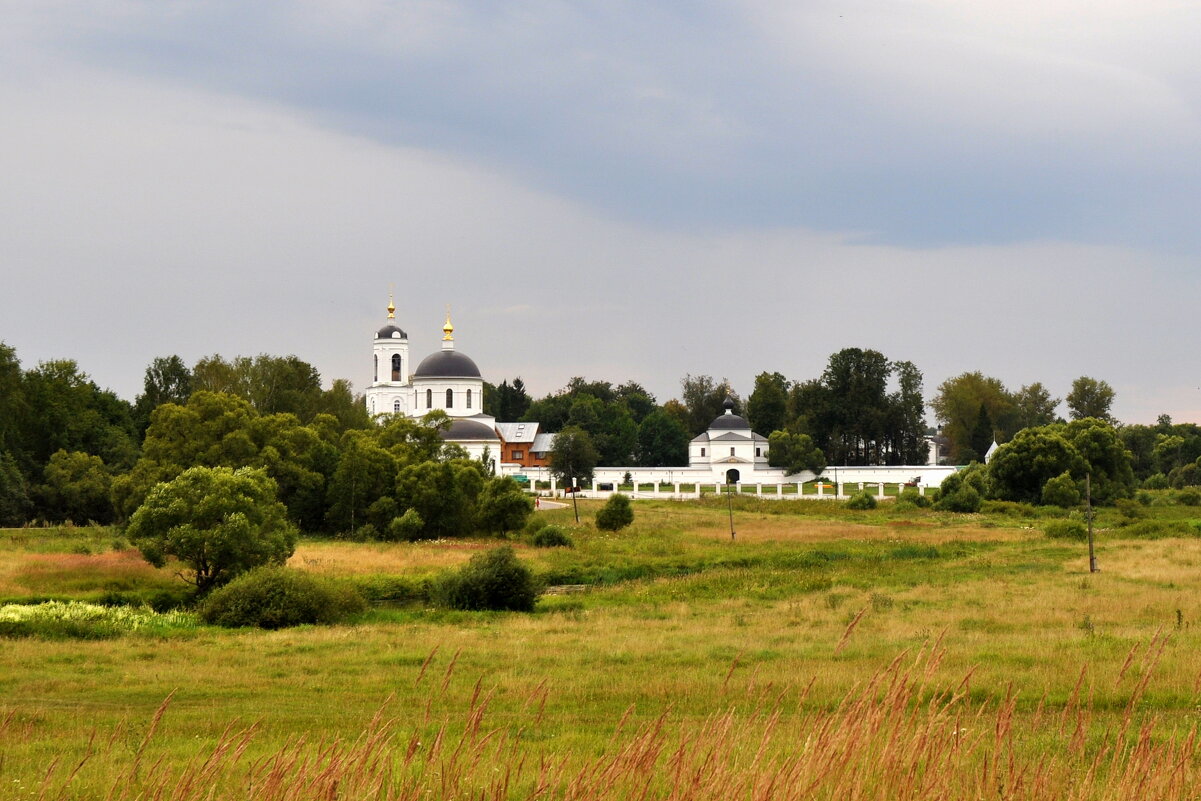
[(389, 381)]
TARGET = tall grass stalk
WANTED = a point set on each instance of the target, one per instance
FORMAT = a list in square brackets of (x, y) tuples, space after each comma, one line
[(894, 736)]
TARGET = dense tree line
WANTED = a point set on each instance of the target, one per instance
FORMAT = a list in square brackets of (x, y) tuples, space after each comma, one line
[(71, 451), (863, 409), (974, 410)]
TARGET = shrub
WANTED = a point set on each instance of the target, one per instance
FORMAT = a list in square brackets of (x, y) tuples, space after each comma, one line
[(1129, 509), (913, 496), (552, 537), (1066, 530), (1156, 482), (615, 514), (1061, 491), (862, 500), (491, 580), (1008, 509), (364, 533), (1188, 497), (535, 524), (965, 499), (1144, 497), (278, 597), (407, 527)]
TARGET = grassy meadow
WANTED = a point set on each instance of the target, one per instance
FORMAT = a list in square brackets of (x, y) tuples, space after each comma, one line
[(821, 653)]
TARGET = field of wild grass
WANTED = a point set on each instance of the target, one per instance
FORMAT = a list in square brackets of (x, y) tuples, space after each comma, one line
[(821, 653)]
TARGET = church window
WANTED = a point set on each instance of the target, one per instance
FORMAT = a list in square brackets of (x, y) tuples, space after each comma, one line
[(429, 399), (395, 366), (376, 373), (758, 452), (450, 399), (731, 451), (396, 406), (702, 451), (468, 399)]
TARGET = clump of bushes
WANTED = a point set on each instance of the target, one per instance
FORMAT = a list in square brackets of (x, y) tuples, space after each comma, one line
[(495, 579), (1157, 481), (963, 491), (1061, 491), (1188, 497), (1008, 509), (616, 514), (551, 537), (1066, 530), (910, 496), (862, 500), (279, 597)]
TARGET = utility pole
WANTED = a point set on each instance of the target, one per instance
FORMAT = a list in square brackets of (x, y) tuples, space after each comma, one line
[(730, 504), (1088, 514)]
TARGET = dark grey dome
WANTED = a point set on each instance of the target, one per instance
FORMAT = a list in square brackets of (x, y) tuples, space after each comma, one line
[(389, 332), (729, 421), (447, 364), (463, 428)]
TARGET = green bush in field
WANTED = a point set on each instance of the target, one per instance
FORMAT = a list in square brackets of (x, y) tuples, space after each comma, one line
[(551, 537), (407, 527), (279, 597), (535, 524), (1065, 530), (1130, 509), (616, 514), (912, 496), (1061, 491), (491, 580), (1188, 497), (1008, 509), (965, 499), (1158, 481), (862, 500)]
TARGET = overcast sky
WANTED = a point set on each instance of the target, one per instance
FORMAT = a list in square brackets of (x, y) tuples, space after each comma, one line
[(608, 189)]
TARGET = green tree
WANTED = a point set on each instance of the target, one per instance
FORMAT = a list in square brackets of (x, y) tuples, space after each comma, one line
[(167, 380), (444, 494), (767, 407), (347, 408), (703, 398), (1090, 398), (795, 453), (662, 441), (637, 399), (573, 460), (13, 408), (957, 409), (503, 506), (983, 435), (77, 486), (1021, 467), (509, 401), (217, 521), (365, 472), (14, 492), (1105, 458), (1061, 491), (905, 426), (616, 514), (67, 411), (1034, 406)]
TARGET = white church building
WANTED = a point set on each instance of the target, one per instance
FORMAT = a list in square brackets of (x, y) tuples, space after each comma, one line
[(448, 380)]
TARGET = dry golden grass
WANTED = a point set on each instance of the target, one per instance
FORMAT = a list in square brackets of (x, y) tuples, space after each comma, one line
[(897, 735)]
